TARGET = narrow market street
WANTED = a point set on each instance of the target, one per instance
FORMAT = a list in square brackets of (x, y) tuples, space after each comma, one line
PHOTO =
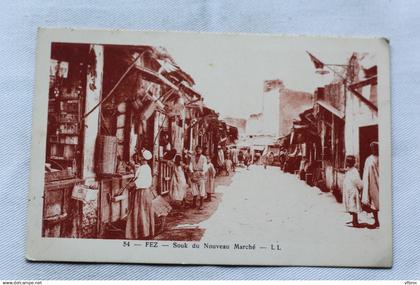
[(293, 212), (134, 142), (182, 223)]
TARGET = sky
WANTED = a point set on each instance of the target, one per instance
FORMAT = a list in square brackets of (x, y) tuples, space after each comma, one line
[(230, 72)]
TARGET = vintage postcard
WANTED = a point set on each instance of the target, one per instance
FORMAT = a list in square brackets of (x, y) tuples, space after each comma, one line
[(200, 148)]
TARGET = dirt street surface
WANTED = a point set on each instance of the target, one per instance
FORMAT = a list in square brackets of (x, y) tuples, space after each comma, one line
[(269, 206)]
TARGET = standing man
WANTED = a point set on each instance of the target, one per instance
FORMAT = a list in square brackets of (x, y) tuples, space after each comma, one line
[(220, 159), (247, 158), (370, 196), (211, 174), (352, 186), (198, 168), (178, 184), (228, 165), (282, 159), (235, 159), (141, 217)]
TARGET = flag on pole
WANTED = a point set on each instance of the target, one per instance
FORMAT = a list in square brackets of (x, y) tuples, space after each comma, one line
[(318, 64)]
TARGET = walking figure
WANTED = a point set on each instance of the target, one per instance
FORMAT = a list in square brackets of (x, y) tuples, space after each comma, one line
[(352, 187), (220, 159), (198, 169), (370, 196), (178, 182), (247, 158), (235, 158), (228, 165), (211, 174)]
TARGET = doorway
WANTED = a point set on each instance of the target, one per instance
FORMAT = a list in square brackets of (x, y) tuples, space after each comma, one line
[(367, 135)]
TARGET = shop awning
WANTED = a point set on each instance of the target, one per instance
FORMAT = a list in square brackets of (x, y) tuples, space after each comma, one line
[(242, 144), (284, 141), (258, 147), (302, 134), (193, 98), (172, 70), (300, 126), (155, 77), (166, 66), (330, 108), (190, 91)]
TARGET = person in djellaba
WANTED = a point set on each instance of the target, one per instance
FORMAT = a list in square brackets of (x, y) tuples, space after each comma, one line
[(198, 169), (247, 159), (234, 154), (352, 187), (186, 161), (141, 217), (210, 175), (370, 195), (220, 158), (228, 165), (178, 184)]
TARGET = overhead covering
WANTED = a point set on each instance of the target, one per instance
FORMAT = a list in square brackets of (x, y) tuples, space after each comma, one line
[(173, 72), (284, 141), (154, 76), (300, 126), (330, 108), (190, 91), (258, 147)]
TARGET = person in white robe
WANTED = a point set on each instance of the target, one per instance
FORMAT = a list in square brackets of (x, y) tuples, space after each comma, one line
[(228, 165), (370, 195), (211, 174), (198, 169), (220, 159), (178, 182), (352, 187), (235, 159), (141, 216)]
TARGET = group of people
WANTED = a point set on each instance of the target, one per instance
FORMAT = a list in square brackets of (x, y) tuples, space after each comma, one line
[(227, 160), (362, 194), (196, 173)]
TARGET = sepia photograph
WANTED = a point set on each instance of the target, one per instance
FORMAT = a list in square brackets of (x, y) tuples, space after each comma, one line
[(194, 148)]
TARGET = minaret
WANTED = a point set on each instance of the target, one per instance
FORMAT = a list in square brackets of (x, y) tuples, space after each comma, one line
[(271, 112)]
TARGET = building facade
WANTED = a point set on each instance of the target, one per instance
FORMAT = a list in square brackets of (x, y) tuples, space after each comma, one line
[(106, 104)]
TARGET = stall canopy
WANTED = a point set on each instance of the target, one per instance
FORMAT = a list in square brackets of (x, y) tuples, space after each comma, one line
[(153, 76), (330, 108), (174, 73)]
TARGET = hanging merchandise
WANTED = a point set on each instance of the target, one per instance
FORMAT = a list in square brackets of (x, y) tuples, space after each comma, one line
[(148, 111), (137, 101), (59, 68), (142, 127), (175, 107)]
